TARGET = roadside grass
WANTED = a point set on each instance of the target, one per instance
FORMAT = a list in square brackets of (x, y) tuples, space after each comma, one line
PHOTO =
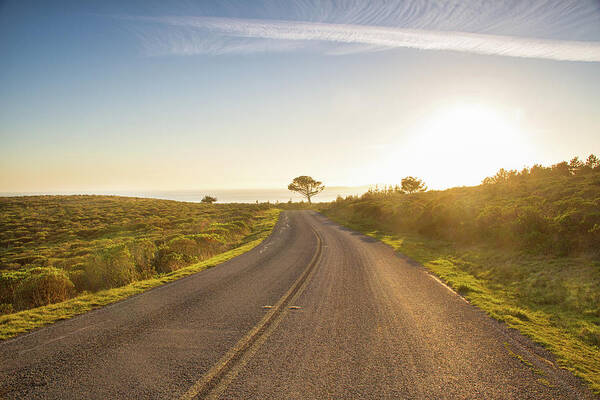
[(20, 322), (551, 300)]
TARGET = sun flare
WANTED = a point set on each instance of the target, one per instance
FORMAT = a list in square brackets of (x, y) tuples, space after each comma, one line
[(461, 144)]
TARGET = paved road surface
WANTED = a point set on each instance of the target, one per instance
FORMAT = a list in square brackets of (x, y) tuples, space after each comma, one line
[(315, 312)]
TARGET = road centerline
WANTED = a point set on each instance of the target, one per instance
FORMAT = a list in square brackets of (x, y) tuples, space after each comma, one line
[(256, 336)]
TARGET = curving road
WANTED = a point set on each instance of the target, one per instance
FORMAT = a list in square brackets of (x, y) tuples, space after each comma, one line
[(315, 312)]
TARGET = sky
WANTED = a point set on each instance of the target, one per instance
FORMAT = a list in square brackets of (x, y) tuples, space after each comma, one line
[(152, 95)]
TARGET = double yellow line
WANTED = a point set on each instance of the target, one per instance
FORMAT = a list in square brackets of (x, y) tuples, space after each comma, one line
[(216, 380)]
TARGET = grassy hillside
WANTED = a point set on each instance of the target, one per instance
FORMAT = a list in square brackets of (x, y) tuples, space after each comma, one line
[(53, 248), (523, 246)]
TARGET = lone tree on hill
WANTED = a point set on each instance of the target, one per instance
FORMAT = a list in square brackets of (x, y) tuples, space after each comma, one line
[(306, 186), (410, 184), (209, 199)]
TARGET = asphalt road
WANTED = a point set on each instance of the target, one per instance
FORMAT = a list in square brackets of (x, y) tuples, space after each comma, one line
[(315, 312)]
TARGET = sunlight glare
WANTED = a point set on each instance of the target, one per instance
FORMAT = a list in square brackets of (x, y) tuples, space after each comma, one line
[(463, 143)]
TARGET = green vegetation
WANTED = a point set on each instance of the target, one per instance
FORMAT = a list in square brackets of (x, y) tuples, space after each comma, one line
[(56, 248), (23, 321), (523, 246)]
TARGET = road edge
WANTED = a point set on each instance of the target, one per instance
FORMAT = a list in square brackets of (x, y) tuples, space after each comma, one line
[(541, 355)]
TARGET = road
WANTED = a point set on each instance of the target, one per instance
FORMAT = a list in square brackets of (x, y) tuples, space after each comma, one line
[(316, 311)]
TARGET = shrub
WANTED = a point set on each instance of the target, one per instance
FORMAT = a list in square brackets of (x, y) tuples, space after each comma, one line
[(6, 308), (218, 230), (533, 228), (143, 253), (183, 250), (209, 244), (8, 284), (168, 261), (184, 246), (42, 287), (237, 226), (110, 267), (79, 279)]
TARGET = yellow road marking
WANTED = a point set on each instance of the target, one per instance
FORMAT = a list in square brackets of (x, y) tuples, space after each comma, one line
[(252, 340)]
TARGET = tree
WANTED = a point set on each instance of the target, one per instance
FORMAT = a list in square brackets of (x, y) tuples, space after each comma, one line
[(538, 171), (410, 184), (592, 162), (575, 165), (209, 199), (502, 176), (306, 186)]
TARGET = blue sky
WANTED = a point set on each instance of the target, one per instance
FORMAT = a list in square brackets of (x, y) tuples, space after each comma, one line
[(240, 94)]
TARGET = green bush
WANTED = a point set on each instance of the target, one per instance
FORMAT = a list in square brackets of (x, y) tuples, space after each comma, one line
[(6, 308), (186, 249), (8, 284), (218, 230), (184, 246), (168, 261), (79, 279), (111, 267), (42, 287), (143, 253), (237, 226), (208, 244)]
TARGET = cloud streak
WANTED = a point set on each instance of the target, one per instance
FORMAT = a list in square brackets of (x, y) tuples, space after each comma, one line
[(198, 35)]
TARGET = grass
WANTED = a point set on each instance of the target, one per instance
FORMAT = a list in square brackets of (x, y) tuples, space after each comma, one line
[(53, 248), (503, 284), (20, 322), (62, 231)]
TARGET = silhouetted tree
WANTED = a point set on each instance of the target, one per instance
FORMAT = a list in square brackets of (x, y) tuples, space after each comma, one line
[(575, 165), (538, 171), (306, 186), (502, 176), (592, 162), (410, 184), (209, 199)]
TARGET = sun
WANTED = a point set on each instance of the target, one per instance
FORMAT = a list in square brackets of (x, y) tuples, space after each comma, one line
[(462, 143), (471, 130)]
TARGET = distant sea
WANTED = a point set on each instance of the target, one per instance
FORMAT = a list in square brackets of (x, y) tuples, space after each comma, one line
[(222, 195)]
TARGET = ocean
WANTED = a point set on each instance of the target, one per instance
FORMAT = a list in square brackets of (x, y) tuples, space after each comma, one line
[(222, 195)]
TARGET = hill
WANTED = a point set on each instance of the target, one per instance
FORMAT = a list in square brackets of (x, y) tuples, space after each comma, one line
[(523, 246), (53, 248)]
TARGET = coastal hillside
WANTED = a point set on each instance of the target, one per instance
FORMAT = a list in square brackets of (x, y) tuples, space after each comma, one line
[(53, 248), (538, 210)]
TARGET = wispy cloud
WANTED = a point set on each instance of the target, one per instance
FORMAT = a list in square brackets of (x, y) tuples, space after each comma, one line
[(199, 35)]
